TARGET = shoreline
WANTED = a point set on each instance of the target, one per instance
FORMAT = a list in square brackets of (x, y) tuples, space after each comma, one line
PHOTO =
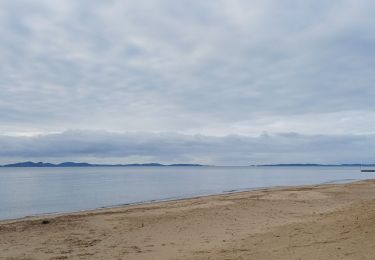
[(323, 221), (173, 199), (53, 214)]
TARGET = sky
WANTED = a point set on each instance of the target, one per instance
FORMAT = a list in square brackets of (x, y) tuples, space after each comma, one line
[(225, 82)]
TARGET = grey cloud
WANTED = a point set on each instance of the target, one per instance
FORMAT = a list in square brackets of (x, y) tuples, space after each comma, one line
[(212, 74), (94, 146), (183, 66)]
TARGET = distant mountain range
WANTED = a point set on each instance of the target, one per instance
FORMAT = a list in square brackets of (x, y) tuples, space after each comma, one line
[(82, 164), (74, 164)]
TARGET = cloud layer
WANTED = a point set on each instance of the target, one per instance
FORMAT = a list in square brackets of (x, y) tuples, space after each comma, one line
[(104, 147), (214, 68)]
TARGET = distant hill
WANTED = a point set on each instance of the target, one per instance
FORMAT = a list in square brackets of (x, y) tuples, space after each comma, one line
[(30, 164), (42, 164), (74, 164), (83, 164)]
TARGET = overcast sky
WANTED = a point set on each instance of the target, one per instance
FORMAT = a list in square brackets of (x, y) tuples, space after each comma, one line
[(232, 82)]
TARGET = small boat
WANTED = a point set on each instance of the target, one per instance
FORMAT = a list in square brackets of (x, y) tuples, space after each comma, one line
[(368, 170)]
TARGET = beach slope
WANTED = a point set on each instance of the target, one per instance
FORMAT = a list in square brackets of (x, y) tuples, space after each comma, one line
[(311, 222)]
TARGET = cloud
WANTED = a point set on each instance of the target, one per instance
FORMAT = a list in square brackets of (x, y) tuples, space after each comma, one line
[(216, 69), (105, 147), (186, 66)]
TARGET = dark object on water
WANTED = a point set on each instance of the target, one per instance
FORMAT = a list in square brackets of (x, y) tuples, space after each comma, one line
[(368, 170), (45, 222)]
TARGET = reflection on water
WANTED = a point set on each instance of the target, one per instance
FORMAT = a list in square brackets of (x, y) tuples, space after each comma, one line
[(31, 191)]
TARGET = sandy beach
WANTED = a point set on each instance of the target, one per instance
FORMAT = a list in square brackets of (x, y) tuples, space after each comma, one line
[(310, 222)]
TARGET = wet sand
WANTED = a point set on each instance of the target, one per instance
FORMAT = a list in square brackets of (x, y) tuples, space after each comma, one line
[(310, 222)]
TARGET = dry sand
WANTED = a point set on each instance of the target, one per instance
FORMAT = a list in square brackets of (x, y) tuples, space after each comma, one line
[(310, 222)]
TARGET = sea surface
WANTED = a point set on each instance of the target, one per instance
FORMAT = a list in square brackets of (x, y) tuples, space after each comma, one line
[(34, 191)]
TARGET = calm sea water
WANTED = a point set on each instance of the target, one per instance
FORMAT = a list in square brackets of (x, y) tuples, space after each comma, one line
[(32, 191)]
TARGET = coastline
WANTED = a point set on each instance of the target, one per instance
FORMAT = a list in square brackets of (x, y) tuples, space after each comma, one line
[(152, 202), (171, 199), (215, 226)]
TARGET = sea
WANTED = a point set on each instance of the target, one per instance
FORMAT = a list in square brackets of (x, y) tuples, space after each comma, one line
[(34, 191)]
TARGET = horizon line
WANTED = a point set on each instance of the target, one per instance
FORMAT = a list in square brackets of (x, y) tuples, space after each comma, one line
[(86, 164)]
